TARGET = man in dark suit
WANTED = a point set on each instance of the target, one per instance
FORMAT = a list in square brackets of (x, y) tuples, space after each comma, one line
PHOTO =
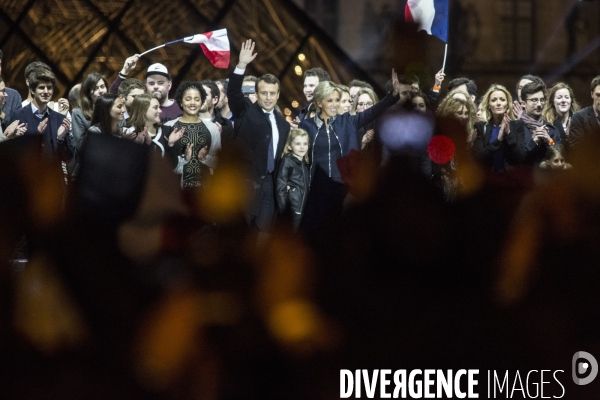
[(533, 133), (261, 131), (585, 122), (51, 126)]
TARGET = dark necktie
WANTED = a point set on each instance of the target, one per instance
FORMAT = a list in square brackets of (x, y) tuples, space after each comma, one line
[(271, 154)]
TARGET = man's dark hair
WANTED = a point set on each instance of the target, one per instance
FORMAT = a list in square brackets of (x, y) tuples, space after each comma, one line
[(101, 115), (214, 89), (405, 80), (318, 72), (358, 83), (471, 86), (413, 79), (225, 83), (268, 78), (531, 78), (595, 82), (41, 76), (34, 67), (128, 85), (74, 96), (532, 88), (184, 87)]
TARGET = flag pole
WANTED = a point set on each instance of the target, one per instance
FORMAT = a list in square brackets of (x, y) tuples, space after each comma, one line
[(148, 51), (445, 54), (162, 45)]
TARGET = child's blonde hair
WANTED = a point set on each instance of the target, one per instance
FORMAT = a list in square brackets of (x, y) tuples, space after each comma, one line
[(294, 133)]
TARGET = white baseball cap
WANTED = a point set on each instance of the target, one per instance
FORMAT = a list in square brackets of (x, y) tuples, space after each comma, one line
[(158, 69)]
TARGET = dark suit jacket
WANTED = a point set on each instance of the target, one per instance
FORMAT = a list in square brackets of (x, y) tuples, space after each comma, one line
[(13, 103), (253, 128), (528, 152), (49, 139), (583, 123), (484, 148)]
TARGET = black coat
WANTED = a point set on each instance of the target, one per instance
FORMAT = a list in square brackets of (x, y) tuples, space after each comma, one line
[(583, 123), (49, 139), (294, 173), (484, 148), (527, 151), (253, 128)]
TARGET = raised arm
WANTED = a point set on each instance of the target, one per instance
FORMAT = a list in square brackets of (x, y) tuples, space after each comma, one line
[(237, 102), (128, 66), (371, 114)]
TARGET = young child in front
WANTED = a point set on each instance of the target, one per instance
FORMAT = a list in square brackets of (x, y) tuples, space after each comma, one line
[(293, 177), (555, 158)]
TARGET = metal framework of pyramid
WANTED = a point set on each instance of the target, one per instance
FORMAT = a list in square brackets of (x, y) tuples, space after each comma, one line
[(76, 37)]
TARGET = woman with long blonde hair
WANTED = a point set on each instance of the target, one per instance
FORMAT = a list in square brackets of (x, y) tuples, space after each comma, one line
[(495, 141)]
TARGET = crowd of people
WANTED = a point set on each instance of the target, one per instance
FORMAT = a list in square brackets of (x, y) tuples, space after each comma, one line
[(409, 197), (537, 128)]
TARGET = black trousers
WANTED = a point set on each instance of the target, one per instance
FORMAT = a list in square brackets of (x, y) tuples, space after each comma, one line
[(264, 209)]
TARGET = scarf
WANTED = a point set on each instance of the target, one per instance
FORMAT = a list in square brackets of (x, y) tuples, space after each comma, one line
[(532, 123)]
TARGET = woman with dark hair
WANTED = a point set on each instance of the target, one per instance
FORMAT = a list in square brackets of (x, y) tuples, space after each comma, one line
[(419, 102), (108, 114), (109, 111), (145, 118), (559, 108), (94, 85), (190, 136)]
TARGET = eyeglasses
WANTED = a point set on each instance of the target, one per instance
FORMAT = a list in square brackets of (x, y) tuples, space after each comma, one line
[(535, 101), (369, 104)]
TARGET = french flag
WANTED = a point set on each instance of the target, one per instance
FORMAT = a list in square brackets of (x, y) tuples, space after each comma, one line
[(429, 15), (215, 46)]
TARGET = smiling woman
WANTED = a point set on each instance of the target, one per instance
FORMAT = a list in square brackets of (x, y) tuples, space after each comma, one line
[(559, 108), (145, 124), (333, 136), (191, 139)]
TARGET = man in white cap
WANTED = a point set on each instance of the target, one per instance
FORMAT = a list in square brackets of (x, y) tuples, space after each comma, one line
[(158, 84)]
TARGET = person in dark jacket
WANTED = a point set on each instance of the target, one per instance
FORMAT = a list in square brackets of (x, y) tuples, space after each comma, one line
[(495, 142), (293, 177), (560, 107), (332, 136), (585, 121), (533, 134)]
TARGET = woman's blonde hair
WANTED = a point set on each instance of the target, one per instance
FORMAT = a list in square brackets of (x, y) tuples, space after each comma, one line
[(322, 91), (294, 133), (485, 100), (450, 105), (549, 113), (362, 91)]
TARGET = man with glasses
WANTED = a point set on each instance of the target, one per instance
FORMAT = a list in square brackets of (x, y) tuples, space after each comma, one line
[(533, 133)]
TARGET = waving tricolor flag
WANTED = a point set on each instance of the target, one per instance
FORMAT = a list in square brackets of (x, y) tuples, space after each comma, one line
[(429, 15), (215, 46)]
